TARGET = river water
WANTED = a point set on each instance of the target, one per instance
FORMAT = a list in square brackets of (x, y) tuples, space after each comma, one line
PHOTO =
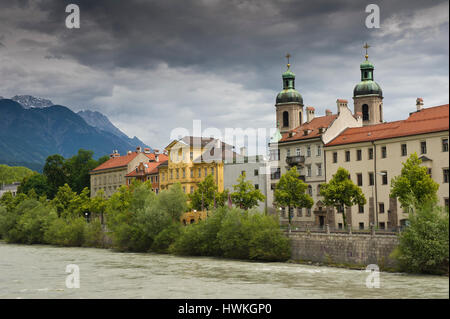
[(40, 272)]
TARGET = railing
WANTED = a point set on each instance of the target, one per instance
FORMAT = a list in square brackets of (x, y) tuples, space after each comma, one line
[(333, 230), (295, 160)]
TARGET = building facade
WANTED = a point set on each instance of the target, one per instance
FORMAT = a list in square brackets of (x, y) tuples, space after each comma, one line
[(374, 155)]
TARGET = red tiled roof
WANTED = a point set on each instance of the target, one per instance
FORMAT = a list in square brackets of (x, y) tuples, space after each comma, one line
[(151, 169), (432, 119), (162, 157), (116, 162), (313, 126)]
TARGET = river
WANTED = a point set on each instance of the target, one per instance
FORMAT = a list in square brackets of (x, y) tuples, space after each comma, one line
[(39, 271)]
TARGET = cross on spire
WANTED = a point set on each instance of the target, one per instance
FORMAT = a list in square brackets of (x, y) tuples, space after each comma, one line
[(366, 46), (287, 57)]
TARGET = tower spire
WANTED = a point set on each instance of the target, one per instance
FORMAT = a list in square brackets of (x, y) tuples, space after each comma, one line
[(366, 46), (287, 57)]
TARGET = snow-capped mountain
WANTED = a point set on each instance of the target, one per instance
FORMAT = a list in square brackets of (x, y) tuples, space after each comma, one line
[(28, 101)]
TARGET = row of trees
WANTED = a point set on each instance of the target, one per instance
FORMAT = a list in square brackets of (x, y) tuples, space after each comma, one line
[(139, 220), (11, 174), (58, 171)]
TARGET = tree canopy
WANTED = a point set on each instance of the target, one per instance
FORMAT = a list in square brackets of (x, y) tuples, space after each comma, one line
[(341, 192), (245, 195), (290, 192), (414, 186)]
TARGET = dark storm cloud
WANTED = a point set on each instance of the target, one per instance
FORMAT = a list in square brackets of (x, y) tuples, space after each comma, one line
[(129, 57)]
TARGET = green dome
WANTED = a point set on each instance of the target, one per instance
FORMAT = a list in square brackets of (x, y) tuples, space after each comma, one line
[(289, 96), (366, 65), (367, 87), (288, 75)]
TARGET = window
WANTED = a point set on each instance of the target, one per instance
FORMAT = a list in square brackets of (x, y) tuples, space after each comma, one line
[(384, 178), (212, 171), (191, 155), (383, 152), (297, 151), (256, 172), (206, 171), (272, 186), (339, 225), (184, 189), (199, 172), (319, 169), (335, 157), (309, 190), (288, 152), (184, 172), (423, 147), (192, 189), (178, 173), (371, 180), (359, 179), (446, 203), (381, 208), (361, 226), (192, 172), (370, 153), (404, 150), (276, 173), (308, 151), (299, 212), (242, 173), (275, 154), (347, 156), (429, 172), (256, 186), (319, 150), (358, 155), (382, 225), (445, 145), (308, 212), (365, 112), (446, 176), (309, 171), (360, 208), (285, 119), (171, 174)]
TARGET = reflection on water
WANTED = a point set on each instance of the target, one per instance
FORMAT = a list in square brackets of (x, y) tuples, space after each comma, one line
[(39, 272)]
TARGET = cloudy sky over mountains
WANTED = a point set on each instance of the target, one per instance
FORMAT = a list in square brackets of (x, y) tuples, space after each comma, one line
[(151, 66)]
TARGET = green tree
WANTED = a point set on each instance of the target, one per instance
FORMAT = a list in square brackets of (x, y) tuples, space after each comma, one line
[(63, 199), (245, 195), (77, 169), (206, 191), (11, 174), (290, 192), (173, 201), (414, 186), (341, 192), (38, 182), (55, 173), (423, 245)]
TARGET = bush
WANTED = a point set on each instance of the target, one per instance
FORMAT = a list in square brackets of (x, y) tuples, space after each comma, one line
[(423, 246), (93, 234), (66, 232), (164, 240)]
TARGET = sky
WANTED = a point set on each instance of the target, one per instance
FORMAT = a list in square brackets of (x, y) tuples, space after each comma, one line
[(153, 66)]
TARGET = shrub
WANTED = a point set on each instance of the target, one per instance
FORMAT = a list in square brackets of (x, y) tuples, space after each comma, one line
[(423, 246), (166, 238), (66, 232)]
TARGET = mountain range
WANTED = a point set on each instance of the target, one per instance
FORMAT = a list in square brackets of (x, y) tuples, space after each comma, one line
[(34, 128)]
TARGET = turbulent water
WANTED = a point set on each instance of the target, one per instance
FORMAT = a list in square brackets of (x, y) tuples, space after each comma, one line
[(40, 272)]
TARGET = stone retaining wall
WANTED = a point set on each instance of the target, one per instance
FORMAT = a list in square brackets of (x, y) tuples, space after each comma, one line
[(355, 249)]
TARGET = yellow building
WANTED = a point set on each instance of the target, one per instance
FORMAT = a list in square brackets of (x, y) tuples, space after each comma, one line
[(191, 159)]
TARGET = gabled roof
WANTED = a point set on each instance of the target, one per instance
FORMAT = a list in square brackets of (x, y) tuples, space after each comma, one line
[(161, 157), (427, 120), (149, 169), (115, 162), (197, 141), (312, 127)]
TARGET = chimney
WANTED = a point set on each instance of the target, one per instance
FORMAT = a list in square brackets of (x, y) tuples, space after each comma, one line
[(146, 150), (156, 151), (328, 112), (156, 157), (309, 114), (419, 103), (341, 104), (129, 152), (244, 151)]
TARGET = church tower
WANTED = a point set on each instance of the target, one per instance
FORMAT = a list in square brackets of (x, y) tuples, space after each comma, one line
[(289, 103), (367, 95)]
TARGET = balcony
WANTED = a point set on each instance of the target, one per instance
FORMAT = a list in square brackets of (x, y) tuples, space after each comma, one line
[(295, 160)]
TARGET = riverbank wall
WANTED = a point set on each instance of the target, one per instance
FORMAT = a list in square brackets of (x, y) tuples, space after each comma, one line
[(344, 249)]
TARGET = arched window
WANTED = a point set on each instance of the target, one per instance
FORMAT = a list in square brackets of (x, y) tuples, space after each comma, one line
[(381, 114), (309, 190), (285, 118), (300, 120), (365, 112)]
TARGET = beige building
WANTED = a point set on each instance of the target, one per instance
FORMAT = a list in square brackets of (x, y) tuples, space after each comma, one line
[(374, 154), (110, 175)]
